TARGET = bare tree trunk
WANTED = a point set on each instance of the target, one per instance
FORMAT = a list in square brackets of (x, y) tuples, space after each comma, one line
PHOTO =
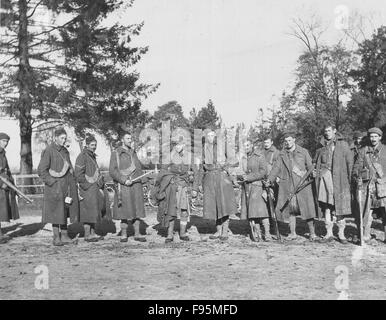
[(25, 100)]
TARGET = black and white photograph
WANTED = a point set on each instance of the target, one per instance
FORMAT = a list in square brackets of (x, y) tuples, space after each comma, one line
[(191, 155)]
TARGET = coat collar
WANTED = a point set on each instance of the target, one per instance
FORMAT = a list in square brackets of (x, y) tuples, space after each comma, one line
[(58, 147), (89, 153), (271, 149), (2, 151), (324, 142), (121, 150)]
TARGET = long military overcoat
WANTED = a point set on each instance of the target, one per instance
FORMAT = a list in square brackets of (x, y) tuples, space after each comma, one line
[(128, 200), (257, 170), (8, 204), (91, 183), (342, 163), (56, 189), (288, 181)]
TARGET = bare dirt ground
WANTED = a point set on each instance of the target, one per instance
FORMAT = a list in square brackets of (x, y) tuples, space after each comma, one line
[(200, 269)]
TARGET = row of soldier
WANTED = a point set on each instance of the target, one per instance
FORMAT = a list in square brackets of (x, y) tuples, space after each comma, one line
[(329, 192)]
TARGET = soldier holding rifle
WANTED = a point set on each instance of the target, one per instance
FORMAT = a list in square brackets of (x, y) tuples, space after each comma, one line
[(370, 172), (8, 205), (253, 206), (125, 167), (91, 184), (295, 198)]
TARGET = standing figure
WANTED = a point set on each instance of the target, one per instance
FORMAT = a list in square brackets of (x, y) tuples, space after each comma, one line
[(172, 192), (91, 184), (219, 200), (370, 173), (128, 200), (333, 166), (291, 166), (358, 143), (8, 204), (257, 212), (60, 199), (270, 153)]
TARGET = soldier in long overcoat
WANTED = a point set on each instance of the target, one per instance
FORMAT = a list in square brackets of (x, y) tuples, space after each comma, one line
[(333, 166), (370, 173), (60, 199), (8, 204), (91, 186), (256, 170), (292, 164), (172, 192), (128, 200), (219, 200)]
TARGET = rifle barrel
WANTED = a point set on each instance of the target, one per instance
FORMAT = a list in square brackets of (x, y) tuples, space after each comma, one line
[(19, 193)]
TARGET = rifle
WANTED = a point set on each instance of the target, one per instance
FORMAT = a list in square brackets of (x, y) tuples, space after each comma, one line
[(254, 236), (273, 213), (300, 186), (18, 192), (359, 199)]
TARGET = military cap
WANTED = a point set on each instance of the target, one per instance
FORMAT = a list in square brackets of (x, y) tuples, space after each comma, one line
[(359, 134), (4, 136), (375, 130)]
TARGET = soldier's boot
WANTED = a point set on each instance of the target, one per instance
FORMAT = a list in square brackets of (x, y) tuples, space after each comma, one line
[(183, 235), (292, 225), (342, 226), (124, 226), (64, 235), (217, 234), (257, 231), (224, 230), (56, 237), (87, 233), (94, 235), (137, 234), (266, 225), (170, 237), (311, 227)]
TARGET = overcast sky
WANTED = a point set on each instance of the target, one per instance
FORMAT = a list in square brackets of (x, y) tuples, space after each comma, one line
[(236, 52)]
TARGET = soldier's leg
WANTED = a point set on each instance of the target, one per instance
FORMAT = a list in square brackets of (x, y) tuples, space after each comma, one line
[(56, 235), (367, 226), (137, 235), (169, 238), (341, 221), (266, 225), (183, 224), (292, 225), (124, 226), (329, 224), (93, 234), (217, 234), (311, 227), (3, 239), (64, 234), (224, 228), (255, 226), (89, 236)]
